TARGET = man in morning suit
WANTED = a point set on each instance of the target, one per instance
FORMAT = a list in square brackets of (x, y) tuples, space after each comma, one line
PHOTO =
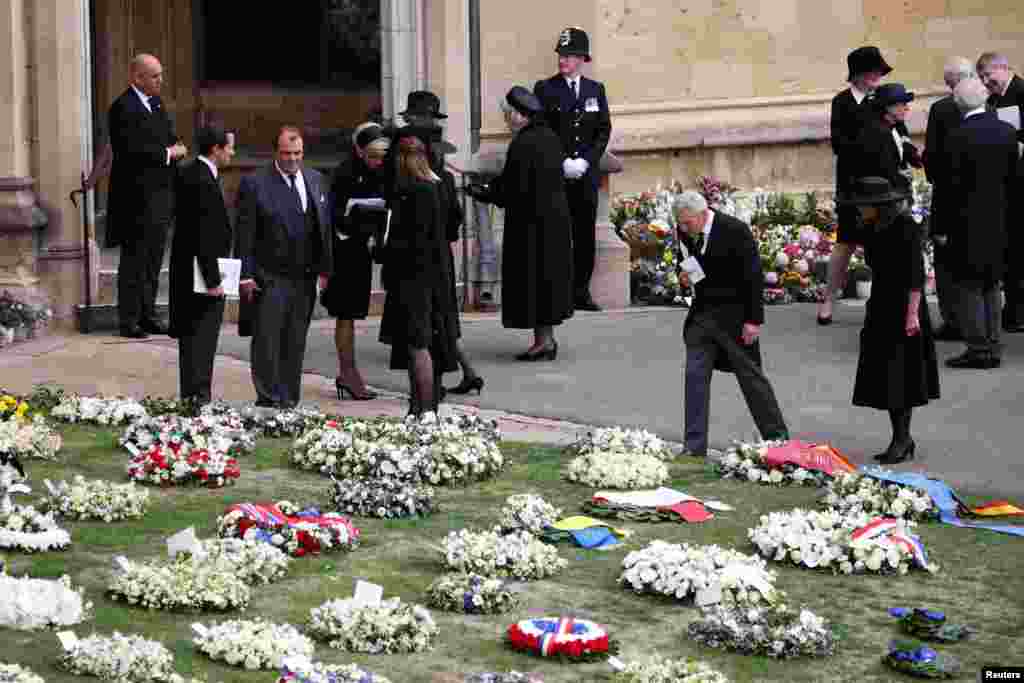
[(983, 175), (1007, 90), (284, 241), (202, 234), (944, 117), (724, 323), (140, 205), (577, 109)]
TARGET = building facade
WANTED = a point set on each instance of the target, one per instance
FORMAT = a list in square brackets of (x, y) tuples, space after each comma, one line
[(734, 88)]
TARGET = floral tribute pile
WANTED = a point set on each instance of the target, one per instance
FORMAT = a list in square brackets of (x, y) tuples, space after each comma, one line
[(619, 440), (97, 499), (253, 562), (915, 659), (301, 670), (471, 594), (295, 531), (562, 637), (699, 573), (528, 512), (852, 543), (178, 466), (225, 434), (15, 673), (386, 498), (449, 451), (29, 438), (490, 553), (855, 493), (106, 412), (29, 604), (251, 644), (773, 631), (928, 624), (120, 658), (26, 529), (660, 670), (613, 470), (389, 626), (782, 463), (789, 254)]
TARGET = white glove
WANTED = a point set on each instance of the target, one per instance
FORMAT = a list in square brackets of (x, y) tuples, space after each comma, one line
[(569, 169), (582, 165)]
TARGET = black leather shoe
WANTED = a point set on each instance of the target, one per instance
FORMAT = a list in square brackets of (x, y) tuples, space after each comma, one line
[(133, 332), (587, 305), (947, 333), (1013, 328), (153, 327), (973, 360)]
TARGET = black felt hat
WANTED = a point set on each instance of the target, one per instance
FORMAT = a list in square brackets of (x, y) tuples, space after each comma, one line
[(871, 191), (423, 103), (891, 93), (866, 59), (573, 41), (523, 101)]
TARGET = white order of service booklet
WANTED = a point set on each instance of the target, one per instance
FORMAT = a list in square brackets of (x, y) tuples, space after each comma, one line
[(230, 274)]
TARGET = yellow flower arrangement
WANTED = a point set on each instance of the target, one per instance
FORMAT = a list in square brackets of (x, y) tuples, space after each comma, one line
[(11, 407)]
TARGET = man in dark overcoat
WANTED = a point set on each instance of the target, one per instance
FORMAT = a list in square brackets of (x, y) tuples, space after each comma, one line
[(983, 175), (284, 241), (724, 322), (577, 110), (202, 235), (943, 117), (140, 205), (1007, 90)]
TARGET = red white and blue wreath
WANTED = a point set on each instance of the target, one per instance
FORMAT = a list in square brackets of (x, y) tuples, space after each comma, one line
[(565, 637)]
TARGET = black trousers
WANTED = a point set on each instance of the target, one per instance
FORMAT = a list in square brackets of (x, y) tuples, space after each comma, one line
[(197, 351), (142, 257), (280, 326), (945, 289), (979, 316), (582, 198)]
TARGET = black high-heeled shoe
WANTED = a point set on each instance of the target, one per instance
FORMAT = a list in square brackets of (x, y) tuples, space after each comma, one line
[(365, 395), (543, 354), (895, 456), (467, 385)]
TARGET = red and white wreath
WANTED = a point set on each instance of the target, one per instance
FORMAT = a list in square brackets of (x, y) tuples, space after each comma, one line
[(562, 636)]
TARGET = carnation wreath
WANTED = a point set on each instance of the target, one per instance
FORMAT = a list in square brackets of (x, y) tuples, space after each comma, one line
[(120, 658), (223, 434), (305, 671), (612, 470), (775, 631), (389, 626), (97, 499), (251, 643), (856, 493), (662, 670), (25, 529), (489, 553), (106, 412), (284, 525), (28, 604), (619, 440), (178, 466), (15, 673), (183, 584), (565, 638), (386, 498), (30, 439), (472, 594), (529, 512)]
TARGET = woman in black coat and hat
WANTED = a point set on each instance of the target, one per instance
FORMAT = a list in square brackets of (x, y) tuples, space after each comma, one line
[(897, 370), (537, 258), (347, 296)]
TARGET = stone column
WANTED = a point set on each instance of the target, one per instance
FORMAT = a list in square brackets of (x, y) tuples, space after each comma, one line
[(609, 285), (61, 76), (399, 53)]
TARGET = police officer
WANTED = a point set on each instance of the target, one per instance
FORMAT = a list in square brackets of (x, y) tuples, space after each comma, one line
[(577, 110)]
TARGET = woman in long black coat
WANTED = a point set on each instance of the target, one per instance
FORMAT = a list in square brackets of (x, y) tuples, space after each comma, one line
[(347, 296), (420, 319), (897, 370), (536, 269)]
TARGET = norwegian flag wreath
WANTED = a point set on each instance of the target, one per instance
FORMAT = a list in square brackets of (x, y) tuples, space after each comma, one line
[(564, 637)]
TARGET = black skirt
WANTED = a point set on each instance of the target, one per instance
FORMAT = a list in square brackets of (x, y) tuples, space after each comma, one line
[(420, 317), (347, 296)]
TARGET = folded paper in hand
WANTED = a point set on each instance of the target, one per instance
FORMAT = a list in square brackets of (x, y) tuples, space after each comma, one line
[(368, 202), (373, 220), (230, 274), (693, 269)]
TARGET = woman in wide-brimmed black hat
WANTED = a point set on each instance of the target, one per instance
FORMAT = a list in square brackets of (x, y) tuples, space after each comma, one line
[(897, 369)]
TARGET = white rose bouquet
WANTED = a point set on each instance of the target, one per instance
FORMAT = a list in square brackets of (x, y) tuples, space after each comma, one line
[(254, 562), (661, 670), (305, 671), (386, 498), (684, 572), (14, 673), (29, 604), (619, 440), (290, 423), (529, 512), (390, 626), (25, 529), (489, 553), (855, 493), (745, 461), (120, 658), (611, 470), (251, 644), (106, 412), (97, 499), (773, 631), (472, 594), (28, 439), (185, 583)]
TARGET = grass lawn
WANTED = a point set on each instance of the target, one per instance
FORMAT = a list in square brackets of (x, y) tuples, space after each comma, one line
[(981, 582)]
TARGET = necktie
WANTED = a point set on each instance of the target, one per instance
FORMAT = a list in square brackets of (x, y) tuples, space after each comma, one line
[(699, 243), (575, 91), (154, 104), (295, 190)]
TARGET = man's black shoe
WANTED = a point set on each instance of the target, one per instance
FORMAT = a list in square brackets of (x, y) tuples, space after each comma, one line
[(153, 327), (133, 332), (1013, 328), (587, 305), (974, 360), (947, 333)]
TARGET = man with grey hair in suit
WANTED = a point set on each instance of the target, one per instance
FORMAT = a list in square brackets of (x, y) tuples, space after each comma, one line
[(284, 241), (944, 117)]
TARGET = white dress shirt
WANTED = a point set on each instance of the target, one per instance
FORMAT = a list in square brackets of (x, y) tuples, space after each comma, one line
[(707, 231), (300, 184), (979, 110), (899, 142), (210, 164)]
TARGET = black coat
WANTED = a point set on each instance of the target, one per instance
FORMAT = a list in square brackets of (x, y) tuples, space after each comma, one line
[(983, 175), (583, 124), (943, 118), (894, 370), (732, 291), (847, 122), (1014, 96), (141, 180), (536, 268), (878, 155), (203, 231)]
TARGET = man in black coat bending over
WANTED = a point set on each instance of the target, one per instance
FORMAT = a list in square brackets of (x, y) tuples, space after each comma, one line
[(202, 235), (140, 205), (577, 109)]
